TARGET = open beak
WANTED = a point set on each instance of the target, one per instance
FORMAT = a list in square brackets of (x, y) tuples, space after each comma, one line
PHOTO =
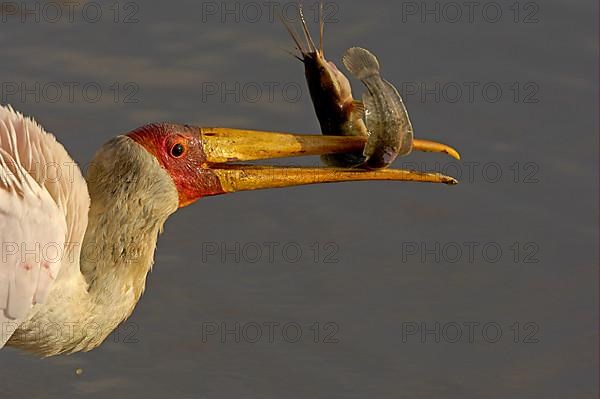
[(223, 146)]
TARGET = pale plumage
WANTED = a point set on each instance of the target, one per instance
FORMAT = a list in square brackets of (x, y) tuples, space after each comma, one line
[(43, 205), (72, 303)]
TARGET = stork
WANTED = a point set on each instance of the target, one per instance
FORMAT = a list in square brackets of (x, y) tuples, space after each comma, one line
[(76, 252)]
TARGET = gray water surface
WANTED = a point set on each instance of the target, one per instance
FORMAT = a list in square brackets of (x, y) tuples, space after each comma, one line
[(394, 277)]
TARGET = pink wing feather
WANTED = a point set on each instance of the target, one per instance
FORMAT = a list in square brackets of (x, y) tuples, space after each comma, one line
[(43, 206)]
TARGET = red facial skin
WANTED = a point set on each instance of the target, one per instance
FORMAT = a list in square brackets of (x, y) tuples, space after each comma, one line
[(189, 170)]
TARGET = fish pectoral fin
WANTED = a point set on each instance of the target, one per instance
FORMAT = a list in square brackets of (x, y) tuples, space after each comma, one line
[(358, 108)]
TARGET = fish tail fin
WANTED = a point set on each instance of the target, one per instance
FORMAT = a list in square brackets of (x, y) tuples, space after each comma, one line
[(361, 63)]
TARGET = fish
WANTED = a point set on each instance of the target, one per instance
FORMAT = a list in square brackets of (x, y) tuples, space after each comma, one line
[(339, 114), (386, 117)]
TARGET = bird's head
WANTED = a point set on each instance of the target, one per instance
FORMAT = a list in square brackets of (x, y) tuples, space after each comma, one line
[(208, 161), (180, 151)]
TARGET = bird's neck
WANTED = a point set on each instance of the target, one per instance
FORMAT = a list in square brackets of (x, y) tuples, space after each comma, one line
[(131, 198)]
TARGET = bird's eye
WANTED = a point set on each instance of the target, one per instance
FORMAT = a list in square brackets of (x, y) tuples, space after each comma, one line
[(177, 150)]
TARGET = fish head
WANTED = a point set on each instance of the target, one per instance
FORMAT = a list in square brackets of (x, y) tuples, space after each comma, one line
[(325, 79), (327, 84)]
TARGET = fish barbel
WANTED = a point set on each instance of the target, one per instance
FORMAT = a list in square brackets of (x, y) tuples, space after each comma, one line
[(386, 117)]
